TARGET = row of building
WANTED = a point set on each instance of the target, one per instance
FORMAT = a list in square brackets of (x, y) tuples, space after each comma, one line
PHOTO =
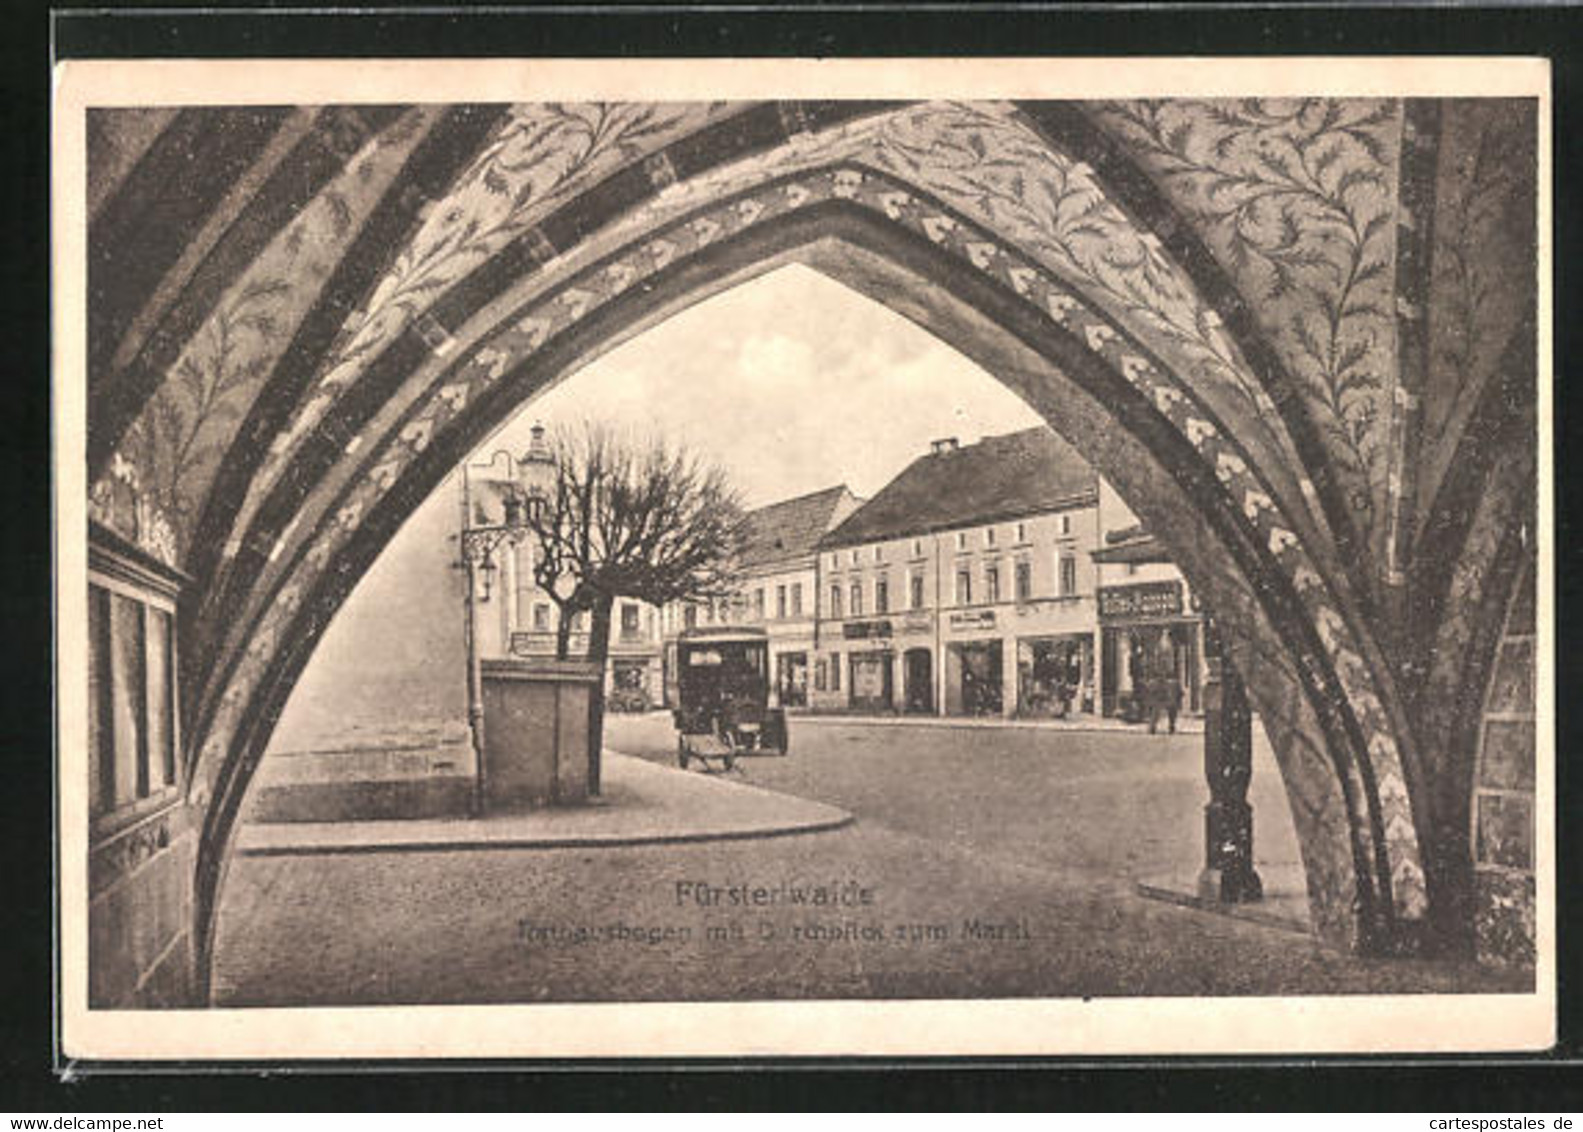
[(1000, 578)]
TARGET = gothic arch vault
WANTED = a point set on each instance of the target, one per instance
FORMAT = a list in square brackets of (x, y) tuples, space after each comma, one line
[(461, 260)]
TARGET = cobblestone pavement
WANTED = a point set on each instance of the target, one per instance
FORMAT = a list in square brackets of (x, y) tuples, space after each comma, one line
[(1000, 867)]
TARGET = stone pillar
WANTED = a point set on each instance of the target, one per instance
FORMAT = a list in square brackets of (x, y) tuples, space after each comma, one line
[(1228, 876)]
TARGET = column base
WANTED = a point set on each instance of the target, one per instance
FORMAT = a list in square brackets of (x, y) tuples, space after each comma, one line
[(1230, 886)]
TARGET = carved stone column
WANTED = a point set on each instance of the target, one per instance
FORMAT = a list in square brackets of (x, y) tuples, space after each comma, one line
[(1228, 876)]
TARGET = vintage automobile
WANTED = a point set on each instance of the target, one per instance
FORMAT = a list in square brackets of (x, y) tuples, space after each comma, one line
[(722, 694)]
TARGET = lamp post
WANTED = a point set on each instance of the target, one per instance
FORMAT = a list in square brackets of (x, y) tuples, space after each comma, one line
[(523, 497)]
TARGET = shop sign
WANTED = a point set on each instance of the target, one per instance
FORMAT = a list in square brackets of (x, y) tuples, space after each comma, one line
[(916, 624), (1145, 599), (865, 630), (973, 619), (531, 644)]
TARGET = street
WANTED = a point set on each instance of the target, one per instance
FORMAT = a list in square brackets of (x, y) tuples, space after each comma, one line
[(1048, 799), (984, 862)]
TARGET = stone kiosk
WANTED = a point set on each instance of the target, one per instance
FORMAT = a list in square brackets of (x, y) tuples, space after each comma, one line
[(536, 743)]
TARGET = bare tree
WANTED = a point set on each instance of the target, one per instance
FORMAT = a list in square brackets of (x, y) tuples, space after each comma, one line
[(625, 518)]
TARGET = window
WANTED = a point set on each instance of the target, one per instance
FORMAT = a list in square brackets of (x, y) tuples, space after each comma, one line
[(780, 603), (992, 583), (131, 700), (821, 675), (989, 536), (879, 554), (881, 595), (835, 672), (690, 617), (758, 603), (917, 548), (857, 599), (915, 596), (1024, 581), (1022, 532), (854, 556), (541, 617), (964, 587), (961, 540), (796, 599), (835, 600), (835, 560), (1068, 575), (1066, 524), (629, 621)]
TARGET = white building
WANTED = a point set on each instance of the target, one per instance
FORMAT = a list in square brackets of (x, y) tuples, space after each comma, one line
[(514, 617), (973, 584)]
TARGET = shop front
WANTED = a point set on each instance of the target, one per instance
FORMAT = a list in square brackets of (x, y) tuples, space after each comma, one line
[(870, 680), (791, 679), (974, 664), (870, 658), (1150, 646), (1055, 676)]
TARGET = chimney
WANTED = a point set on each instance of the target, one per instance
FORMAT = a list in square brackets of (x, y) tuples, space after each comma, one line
[(947, 444)]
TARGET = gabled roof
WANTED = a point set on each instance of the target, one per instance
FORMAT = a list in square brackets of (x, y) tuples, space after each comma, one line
[(792, 528), (1000, 477)]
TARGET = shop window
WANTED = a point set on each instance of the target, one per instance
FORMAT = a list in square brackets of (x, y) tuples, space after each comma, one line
[(915, 594), (780, 603), (835, 600), (835, 672), (821, 670), (1024, 581), (856, 595), (796, 599), (882, 595), (964, 587), (1068, 582), (992, 583)]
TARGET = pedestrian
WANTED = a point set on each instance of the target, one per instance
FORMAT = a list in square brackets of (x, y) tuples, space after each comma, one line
[(1153, 701), (1173, 699)]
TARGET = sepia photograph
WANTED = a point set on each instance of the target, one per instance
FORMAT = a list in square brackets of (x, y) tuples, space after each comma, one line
[(768, 558)]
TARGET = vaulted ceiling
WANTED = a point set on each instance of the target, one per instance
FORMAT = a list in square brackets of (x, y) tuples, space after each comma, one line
[(289, 305)]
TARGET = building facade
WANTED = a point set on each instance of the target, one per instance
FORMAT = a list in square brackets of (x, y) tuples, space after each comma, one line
[(514, 617), (1151, 626), (973, 584)]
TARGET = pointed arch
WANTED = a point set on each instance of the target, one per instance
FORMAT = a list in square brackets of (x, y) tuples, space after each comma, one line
[(1137, 393)]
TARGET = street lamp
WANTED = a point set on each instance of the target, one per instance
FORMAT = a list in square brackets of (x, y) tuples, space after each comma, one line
[(523, 496)]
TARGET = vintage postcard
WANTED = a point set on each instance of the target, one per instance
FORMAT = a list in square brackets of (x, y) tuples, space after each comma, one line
[(741, 558)]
